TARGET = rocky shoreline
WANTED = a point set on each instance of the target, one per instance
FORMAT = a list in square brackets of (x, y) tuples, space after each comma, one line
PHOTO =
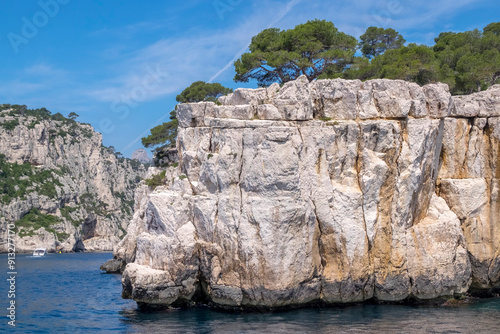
[(329, 192)]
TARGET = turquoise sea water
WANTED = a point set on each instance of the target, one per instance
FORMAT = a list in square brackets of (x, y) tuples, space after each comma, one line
[(67, 293)]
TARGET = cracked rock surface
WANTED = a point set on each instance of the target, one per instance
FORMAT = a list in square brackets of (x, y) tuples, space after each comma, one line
[(332, 191)]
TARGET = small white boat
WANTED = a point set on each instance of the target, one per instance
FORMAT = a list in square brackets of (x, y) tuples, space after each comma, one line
[(39, 252)]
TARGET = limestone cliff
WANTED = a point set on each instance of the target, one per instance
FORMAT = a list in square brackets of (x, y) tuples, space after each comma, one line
[(332, 191), (61, 188), (141, 155)]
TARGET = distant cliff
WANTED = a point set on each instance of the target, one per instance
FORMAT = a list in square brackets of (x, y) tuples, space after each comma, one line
[(141, 155), (333, 191), (60, 186)]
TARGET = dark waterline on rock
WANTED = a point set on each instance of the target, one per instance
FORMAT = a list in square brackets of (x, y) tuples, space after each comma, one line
[(68, 293)]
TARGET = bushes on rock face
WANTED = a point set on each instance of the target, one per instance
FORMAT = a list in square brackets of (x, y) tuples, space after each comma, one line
[(135, 164), (34, 220), (14, 179), (65, 127), (61, 236), (156, 180), (4, 107), (127, 206), (33, 124), (10, 125), (17, 180), (42, 114), (58, 117), (66, 213), (20, 182), (91, 203), (47, 189), (87, 132)]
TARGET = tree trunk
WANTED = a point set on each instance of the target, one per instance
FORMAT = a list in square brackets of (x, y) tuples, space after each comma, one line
[(495, 78)]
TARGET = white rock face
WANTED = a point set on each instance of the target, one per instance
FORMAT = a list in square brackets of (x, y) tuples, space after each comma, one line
[(482, 104), (438, 249), (469, 179), (276, 207)]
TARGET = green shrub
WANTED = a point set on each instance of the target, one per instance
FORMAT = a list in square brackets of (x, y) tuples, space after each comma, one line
[(156, 180), (135, 164), (32, 124), (36, 220), (87, 132), (58, 117), (47, 189), (66, 213), (14, 179), (61, 236), (10, 125), (4, 107)]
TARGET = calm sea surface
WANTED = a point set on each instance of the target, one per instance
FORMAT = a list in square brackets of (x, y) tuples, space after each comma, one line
[(67, 293)]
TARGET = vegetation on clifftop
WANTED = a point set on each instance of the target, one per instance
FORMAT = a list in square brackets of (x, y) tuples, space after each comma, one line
[(39, 113), (164, 135), (312, 49), (467, 61)]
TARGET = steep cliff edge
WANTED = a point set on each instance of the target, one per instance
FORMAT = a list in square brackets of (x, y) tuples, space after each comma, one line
[(332, 191), (61, 188)]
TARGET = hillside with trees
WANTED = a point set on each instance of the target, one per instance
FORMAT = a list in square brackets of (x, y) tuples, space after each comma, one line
[(59, 185)]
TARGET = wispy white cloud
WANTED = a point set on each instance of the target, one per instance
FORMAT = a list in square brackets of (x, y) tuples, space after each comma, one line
[(415, 14), (129, 31), (289, 6), (43, 69), (36, 78), (201, 55), (207, 54), (353, 17)]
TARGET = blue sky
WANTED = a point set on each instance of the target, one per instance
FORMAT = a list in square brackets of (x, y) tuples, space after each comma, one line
[(119, 64)]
